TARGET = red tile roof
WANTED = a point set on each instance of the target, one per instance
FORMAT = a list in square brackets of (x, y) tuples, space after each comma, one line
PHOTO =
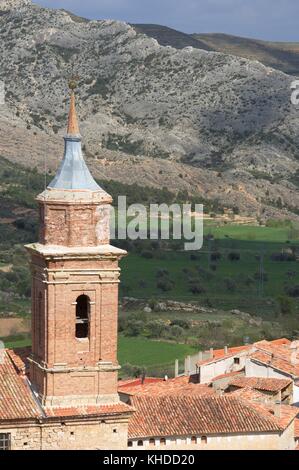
[(185, 416), (139, 381), (220, 354), (249, 394), (261, 383), (229, 374), (179, 386), (96, 410), (17, 401), (16, 398)]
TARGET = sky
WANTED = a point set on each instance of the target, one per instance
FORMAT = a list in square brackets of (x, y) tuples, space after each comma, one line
[(275, 20)]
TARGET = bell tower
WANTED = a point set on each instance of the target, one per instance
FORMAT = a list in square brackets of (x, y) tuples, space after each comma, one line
[(75, 278)]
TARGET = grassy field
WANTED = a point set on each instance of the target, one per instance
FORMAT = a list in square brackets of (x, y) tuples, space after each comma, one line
[(136, 351), (229, 284)]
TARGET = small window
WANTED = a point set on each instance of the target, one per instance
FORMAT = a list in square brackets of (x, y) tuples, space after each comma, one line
[(140, 443), (130, 444), (5, 441), (204, 439), (236, 360), (163, 441), (82, 316), (193, 440), (152, 442)]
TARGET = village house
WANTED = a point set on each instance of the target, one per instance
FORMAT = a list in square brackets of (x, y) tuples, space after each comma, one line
[(180, 413)]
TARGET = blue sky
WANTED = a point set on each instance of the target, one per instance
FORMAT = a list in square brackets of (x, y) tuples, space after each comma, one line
[(264, 19)]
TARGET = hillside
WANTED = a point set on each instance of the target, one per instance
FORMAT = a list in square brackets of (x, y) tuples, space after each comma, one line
[(279, 55), (216, 125), (282, 56)]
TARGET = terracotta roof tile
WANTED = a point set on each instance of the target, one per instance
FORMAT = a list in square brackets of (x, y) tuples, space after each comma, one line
[(97, 410), (220, 354), (249, 394), (179, 386), (182, 416), (261, 383), (229, 374), (16, 398)]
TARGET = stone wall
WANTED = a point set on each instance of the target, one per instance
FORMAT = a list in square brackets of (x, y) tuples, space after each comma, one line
[(64, 435)]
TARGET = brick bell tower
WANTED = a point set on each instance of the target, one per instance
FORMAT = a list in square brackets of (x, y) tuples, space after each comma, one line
[(75, 278)]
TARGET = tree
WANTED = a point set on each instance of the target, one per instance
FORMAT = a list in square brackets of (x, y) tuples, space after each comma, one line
[(285, 305), (134, 327), (155, 328)]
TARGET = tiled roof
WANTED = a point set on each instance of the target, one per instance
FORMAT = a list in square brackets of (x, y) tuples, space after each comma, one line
[(261, 383), (249, 394), (182, 416), (277, 362), (81, 411), (182, 386), (139, 381), (220, 354), (296, 422), (17, 401), (229, 374), (19, 358), (16, 398)]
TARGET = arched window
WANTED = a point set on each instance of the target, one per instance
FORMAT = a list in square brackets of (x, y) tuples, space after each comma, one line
[(163, 441), (152, 442), (193, 440), (204, 439), (82, 316), (140, 443), (130, 444)]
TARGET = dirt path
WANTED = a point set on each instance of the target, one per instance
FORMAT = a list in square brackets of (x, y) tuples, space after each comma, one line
[(13, 326)]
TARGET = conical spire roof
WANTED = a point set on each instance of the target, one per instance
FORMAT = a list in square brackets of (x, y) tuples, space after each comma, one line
[(73, 172)]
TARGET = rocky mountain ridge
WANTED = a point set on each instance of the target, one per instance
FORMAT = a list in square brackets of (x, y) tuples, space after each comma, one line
[(213, 124)]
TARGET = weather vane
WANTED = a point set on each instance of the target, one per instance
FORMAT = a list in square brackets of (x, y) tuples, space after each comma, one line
[(73, 80)]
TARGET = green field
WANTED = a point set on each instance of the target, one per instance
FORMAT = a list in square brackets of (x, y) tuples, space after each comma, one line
[(229, 284), (137, 351)]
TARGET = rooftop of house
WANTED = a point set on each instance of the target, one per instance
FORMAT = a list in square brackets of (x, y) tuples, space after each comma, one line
[(281, 356), (195, 415), (281, 344), (18, 401), (182, 386), (260, 383)]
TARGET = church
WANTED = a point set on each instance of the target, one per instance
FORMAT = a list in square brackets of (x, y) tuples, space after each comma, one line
[(62, 394)]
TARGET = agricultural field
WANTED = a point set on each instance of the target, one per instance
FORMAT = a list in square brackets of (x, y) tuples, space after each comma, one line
[(250, 268)]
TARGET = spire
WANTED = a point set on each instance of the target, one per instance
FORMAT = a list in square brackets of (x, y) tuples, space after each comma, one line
[(73, 172), (73, 126)]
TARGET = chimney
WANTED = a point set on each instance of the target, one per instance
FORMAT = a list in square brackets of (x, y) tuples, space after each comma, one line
[(211, 353), (188, 365), (176, 368), (165, 378), (277, 409), (143, 378), (225, 349)]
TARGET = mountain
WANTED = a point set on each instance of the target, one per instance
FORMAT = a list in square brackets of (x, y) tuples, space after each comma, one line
[(216, 125), (279, 55), (282, 56)]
